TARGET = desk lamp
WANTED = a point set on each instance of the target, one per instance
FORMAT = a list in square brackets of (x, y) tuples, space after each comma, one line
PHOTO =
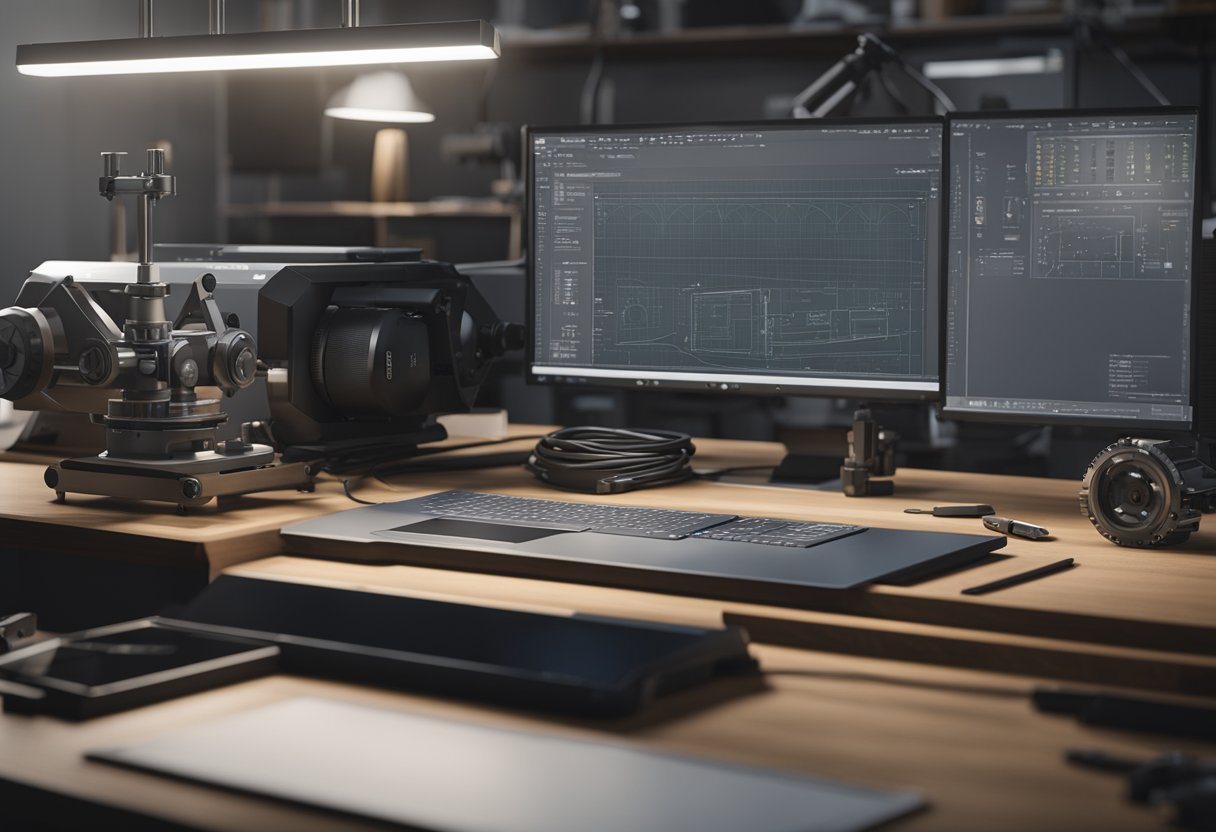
[(386, 97), (383, 96)]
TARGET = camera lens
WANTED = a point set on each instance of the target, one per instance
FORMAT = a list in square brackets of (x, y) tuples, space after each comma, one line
[(26, 352), (370, 363), (1133, 494)]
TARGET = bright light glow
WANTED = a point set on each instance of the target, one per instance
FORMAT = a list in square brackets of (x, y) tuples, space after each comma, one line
[(1052, 62), (284, 60), (387, 116), (383, 95)]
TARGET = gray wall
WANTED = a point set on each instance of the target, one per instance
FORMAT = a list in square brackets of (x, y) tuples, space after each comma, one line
[(52, 130)]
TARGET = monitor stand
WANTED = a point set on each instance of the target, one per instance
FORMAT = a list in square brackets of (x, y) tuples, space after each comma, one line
[(869, 453), (807, 470)]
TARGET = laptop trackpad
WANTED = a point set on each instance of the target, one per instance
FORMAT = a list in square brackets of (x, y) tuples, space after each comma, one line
[(450, 527)]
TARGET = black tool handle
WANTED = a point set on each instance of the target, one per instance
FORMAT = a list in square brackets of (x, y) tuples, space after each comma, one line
[(955, 511)]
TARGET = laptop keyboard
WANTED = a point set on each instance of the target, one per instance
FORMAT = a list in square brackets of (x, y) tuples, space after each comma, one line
[(667, 524), (776, 532)]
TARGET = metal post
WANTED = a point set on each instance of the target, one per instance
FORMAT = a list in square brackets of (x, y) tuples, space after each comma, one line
[(145, 18), (216, 16), (350, 13), (143, 221), (156, 167)]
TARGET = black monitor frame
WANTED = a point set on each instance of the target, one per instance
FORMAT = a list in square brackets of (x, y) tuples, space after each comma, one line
[(844, 390), (1163, 427)]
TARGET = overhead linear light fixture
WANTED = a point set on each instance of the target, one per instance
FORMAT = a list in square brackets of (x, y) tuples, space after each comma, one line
[(351, 45), (385, 96)]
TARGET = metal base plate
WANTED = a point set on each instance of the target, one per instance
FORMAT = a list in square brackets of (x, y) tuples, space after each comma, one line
[(186, 483), (200, 462)]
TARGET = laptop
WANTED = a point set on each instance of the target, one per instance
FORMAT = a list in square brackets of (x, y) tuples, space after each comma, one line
[(684, 552)]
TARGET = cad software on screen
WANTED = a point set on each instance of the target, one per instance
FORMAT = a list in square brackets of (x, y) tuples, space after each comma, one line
[(770, 256), (1069, 267)]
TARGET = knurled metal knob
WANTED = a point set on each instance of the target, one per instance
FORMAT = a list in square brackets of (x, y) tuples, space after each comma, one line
[(156, 161), (110, 161)]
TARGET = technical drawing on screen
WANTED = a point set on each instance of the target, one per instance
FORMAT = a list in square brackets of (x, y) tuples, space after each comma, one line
[(1069, 267), (770, 257)]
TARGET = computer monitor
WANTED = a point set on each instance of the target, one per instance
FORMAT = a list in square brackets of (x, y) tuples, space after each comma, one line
[(1071, 269), (796, 258)]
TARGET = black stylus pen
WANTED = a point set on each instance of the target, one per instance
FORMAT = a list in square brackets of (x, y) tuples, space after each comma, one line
[(1020, 578)]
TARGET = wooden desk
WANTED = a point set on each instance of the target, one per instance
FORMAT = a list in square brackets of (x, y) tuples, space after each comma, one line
[(1143, 618), (1158, 599), (984, 761), (881, 691)]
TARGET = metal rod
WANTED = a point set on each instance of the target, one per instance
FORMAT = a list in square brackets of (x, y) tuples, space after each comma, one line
[(118, 239), (144, 232), (216, 16), (350, 13), (145, 18)]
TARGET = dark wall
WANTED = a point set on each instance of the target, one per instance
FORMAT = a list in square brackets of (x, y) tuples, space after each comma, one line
[(54, 128), (734, 80)]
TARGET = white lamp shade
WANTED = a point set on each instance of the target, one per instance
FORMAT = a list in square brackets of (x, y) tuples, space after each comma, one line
[(384, 96)]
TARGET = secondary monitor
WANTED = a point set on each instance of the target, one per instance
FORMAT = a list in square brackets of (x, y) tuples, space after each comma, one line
[(1071, 268), (772, 257)]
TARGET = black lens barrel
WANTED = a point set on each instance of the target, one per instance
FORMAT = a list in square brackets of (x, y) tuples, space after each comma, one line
[(371, 362), (25, 353)]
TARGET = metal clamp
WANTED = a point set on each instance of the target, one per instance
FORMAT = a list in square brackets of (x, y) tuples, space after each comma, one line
[(149, 187), (16, 628)]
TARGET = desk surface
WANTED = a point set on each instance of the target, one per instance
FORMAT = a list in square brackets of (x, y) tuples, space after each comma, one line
[(1158, 600), (984, 760), (881, 693)]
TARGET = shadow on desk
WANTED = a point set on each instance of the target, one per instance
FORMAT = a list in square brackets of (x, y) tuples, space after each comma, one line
[(97, 592)]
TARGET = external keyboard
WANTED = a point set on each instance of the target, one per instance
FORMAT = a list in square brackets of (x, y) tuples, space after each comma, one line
[(632, 521)]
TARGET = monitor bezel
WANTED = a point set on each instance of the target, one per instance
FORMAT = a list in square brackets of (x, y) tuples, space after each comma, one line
[(709, 385), (1165, 427)]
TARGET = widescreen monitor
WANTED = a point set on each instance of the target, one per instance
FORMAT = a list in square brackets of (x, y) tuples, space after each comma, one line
[(796, 258)]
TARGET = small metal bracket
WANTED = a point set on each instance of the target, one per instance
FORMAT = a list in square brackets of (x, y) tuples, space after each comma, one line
[(15, 629), (149, 187)]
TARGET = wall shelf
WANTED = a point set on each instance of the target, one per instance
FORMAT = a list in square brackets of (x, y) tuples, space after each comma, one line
[(1194, 24)]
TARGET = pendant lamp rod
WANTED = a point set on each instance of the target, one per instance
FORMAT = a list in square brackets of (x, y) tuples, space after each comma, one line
[(215, 16), (350, 13), (145, 18)]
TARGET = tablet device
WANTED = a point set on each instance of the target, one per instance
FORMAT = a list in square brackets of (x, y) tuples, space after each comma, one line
[(122, 666), (580, 664)]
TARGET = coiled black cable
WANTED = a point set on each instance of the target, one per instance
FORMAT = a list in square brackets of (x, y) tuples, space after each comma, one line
[(612, 460)]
